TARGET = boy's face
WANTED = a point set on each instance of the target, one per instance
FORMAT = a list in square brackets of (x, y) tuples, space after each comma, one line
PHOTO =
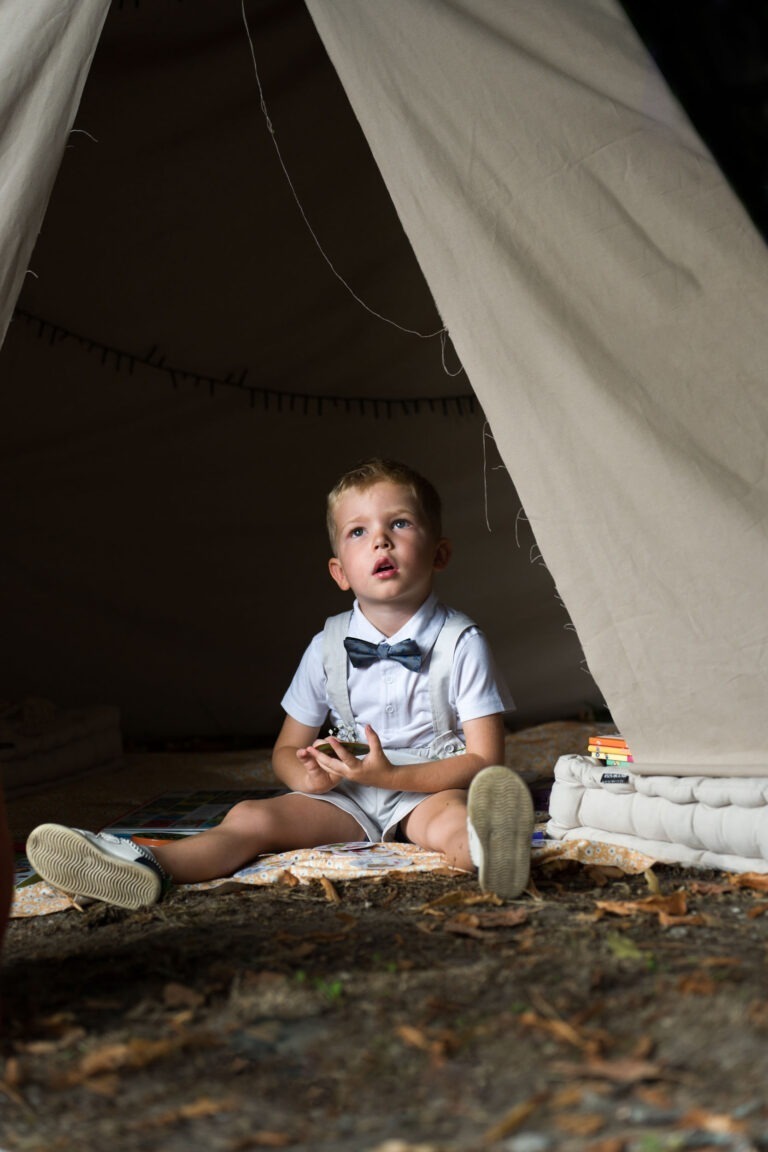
[(385, 551)]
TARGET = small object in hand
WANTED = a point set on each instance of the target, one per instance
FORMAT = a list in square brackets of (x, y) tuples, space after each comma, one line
[(352, 746)]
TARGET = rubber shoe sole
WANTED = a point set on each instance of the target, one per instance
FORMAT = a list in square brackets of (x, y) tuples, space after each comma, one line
[(500, 812), (71, 862)]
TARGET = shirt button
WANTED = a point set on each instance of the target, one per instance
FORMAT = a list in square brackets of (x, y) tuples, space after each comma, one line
[(389, 708)]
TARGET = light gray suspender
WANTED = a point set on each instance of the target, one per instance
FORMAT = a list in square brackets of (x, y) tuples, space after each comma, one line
[(440, 667), (335, 664), (444, 719)]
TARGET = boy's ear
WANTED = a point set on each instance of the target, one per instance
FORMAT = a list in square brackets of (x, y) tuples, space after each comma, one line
[(337, 572), (443, 553)]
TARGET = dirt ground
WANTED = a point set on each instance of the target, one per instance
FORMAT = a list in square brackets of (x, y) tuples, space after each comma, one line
[(599, 1011)]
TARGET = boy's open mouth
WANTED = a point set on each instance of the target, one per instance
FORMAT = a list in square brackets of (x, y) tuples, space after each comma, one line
[(383, 567)]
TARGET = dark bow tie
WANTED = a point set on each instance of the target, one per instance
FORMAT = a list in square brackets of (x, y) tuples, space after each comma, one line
[(362, 653)]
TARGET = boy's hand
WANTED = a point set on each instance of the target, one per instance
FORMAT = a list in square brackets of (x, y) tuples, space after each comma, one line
[(319, 779), (374, 769)]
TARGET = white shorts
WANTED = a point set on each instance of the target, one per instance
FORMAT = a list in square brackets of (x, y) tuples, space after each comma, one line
[(377, 810)]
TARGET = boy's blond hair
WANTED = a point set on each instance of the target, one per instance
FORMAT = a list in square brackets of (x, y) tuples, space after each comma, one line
[(376, 470)]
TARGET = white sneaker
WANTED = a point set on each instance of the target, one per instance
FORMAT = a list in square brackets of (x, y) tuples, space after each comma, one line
[(96, 865), (500, 820)]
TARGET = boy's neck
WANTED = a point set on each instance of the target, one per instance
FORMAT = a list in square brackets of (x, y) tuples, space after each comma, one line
[(390, 618)]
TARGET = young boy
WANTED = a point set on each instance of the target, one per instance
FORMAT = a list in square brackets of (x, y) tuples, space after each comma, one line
[(412, 679)]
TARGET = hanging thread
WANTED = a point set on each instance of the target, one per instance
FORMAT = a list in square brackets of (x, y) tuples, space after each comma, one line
[(442, 332)]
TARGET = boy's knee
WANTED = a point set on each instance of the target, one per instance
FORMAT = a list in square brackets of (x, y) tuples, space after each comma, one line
[(244, 816), (452, 822), (440, 820), (452, 810)]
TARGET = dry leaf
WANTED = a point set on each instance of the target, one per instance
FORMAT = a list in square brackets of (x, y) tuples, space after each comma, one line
[(194, 1110), (663, 906), (533, 891), (623, 1071), (620, 1071), (329, 890), (12, 1080), (504, 918), (563, 1031), (756, 880), (12, 1077), (643, 1047), (758, 910), (205, 1106), (413, 1037), (180, 1020), (708, 887), (264, 1138), (655, 1095), (181, 996), (107, 1086), (758, 1013), (580, 1123), (465, 925), (438, 1045), (451, 899), (480, 924), (697, 984), (512, 1120), (692, 921), (602, 874), (652, 881), (710, 1122), (131, 1054), (567, 1097), (526, 940), (348, 919), (58, 1021), (39, 1047)]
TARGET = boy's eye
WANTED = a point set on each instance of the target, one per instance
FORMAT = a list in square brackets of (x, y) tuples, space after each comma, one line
[(401, 522), (355, 532)]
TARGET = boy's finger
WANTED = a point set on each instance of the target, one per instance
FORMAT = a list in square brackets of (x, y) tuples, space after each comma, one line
[(372, 737), (335, 765)]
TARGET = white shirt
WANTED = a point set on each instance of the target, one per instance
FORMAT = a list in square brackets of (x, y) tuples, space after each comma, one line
[(395, 700)]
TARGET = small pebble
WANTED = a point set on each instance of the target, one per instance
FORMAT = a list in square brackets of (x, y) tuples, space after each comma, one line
[(528, 1142)]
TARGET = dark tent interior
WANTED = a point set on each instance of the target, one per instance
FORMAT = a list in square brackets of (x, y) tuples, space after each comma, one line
[(221, 314)]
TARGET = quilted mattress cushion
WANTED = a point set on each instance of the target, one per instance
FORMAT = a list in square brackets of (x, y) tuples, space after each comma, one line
[(706, 820)]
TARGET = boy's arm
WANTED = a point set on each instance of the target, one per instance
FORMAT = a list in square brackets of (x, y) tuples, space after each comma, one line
[(292, 763), (484, 738)]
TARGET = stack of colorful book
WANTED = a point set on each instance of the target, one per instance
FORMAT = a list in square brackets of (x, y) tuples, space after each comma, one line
[(610, 750)]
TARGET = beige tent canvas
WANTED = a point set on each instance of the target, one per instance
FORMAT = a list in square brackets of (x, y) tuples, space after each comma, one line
[(504, 254)]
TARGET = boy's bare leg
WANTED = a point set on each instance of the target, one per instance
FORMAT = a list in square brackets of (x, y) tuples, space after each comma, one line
[(251, 828), (439, 823), (488, 827), (124, 873)]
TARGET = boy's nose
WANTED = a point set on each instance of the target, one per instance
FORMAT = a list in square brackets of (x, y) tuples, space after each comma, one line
[(381, 539)]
